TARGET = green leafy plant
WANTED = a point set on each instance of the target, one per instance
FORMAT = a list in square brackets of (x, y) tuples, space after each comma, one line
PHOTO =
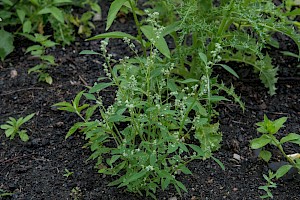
[(38, 51), (268, 129), (68, 173), (242, 28), (12, 127), (32, 16)]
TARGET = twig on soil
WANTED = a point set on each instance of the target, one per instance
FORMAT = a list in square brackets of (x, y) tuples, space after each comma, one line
[(12, 159), (20, 90), (83, 81)]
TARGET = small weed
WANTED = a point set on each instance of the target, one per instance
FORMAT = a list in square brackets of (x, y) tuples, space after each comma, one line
[(68, 173), (268, 129), (76, 193), (12, 127)]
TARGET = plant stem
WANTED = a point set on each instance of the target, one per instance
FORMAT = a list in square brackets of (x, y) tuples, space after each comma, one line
[(138, 25)]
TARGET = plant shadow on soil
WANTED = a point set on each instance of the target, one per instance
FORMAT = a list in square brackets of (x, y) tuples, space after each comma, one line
[(34, 170)]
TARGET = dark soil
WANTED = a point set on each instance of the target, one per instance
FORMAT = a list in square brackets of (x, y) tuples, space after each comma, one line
[(34, 170)]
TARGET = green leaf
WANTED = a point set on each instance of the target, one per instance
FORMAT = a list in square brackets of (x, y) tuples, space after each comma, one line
[(34, 48), (282, 171), (55, 12), (290, 137), (184, 169), (113, 11), (135, 176), (172, 148), (189, 80), (23, 135), (100, 86), (171, 28), (21, 14), (160, 43), (65, 106), (6, 43), (116, 34), (215, 98), (27, 118), (27, 26), (90, 111), (77, 99), (229, 69), (265, 155), (74, 128), (260, 142), (181, 186), (203, 57), (219, 162), (88, 52)]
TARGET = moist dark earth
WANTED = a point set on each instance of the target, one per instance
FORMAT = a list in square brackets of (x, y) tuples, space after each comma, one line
[(34, 169)]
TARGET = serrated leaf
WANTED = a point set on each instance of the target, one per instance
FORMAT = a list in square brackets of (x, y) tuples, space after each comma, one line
[(6, 43), (113, 11)]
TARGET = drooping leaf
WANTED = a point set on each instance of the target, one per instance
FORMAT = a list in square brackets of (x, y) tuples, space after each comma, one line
[(113, 11), (6, 43)]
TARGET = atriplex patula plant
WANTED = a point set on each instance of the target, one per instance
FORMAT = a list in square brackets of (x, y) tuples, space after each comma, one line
[(268, 129), (158, 123), (12, 127)]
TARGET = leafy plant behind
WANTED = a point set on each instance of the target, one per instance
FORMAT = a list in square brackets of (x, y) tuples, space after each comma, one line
[(12, 127)]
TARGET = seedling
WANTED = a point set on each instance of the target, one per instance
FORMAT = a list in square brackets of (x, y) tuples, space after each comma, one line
[(68, 173), (268, 129), (12, 127)]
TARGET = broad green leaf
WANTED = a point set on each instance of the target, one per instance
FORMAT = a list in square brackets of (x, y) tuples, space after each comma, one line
[(21, 14), (8, 2), (10, 133), (49, 58), (184, 169), (290, 137), (265, 155), (113, 11), (260, 142), (135, 176), (165, 182), (34, 48), (6, 126), (89, 52), (172, 148), (115, 34), (100, 86), (197, 149), (23, 135), (203, 57), (48, 43), (55, 12), (160, 42), (282, 171), (229, 69), (27, 26), (181, 186), (6, 43)]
